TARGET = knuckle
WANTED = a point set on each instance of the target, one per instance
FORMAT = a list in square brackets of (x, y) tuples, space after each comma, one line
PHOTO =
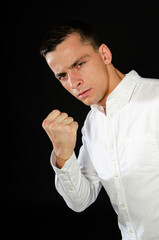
[(55, 127), (44, 124), (56, 111), (52, 126), (76, 124), (60, 127), (64, 114), (71, 119), (53, 114), (68, 128)]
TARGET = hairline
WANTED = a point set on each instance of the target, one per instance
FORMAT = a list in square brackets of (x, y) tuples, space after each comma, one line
[(84, 39)]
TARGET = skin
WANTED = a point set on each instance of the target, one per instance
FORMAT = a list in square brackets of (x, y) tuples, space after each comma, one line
[(86, 73)]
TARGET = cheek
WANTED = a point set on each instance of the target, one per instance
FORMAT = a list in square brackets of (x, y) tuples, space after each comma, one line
[(66, 86), (100, 80), (99, 71)]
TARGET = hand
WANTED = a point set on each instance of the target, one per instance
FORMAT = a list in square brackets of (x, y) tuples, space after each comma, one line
[(62, 131)]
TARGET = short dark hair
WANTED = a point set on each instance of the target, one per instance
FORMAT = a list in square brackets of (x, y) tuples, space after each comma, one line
[(59, 32)]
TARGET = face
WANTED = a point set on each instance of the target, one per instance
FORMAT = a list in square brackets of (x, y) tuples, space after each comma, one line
[(81, 70)]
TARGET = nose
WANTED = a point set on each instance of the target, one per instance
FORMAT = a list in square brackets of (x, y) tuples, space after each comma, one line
[(74, 80)]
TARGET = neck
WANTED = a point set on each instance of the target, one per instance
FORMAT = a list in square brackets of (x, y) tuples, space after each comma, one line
[(115, 77)]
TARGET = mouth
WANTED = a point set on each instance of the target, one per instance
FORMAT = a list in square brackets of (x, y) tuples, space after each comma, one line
[(84, 94)]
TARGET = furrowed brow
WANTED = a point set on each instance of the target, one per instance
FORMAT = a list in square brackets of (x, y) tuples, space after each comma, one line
[(78, 60), (62, 74)]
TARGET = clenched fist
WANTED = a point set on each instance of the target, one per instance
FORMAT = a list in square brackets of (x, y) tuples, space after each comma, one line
[(62, 131)]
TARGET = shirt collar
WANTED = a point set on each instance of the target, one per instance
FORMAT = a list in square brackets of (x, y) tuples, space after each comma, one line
[(123, 90)]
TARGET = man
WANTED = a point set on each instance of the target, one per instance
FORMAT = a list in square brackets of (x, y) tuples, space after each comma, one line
[(120, 148)]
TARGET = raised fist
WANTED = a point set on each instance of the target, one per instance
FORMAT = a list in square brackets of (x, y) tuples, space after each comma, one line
[(62, 131)]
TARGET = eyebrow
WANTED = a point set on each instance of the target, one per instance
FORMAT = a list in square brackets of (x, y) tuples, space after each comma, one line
[(72, 65)]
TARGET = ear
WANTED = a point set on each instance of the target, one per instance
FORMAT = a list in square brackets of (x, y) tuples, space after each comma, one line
[(105, 53)]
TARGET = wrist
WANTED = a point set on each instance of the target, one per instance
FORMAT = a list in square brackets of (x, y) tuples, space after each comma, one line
[(60, 161)]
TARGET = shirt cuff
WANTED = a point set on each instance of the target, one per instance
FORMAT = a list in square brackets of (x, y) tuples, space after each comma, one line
[(65, 166)]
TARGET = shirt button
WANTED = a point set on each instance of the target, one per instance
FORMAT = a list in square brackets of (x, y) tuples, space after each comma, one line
[(131, 231), (116, 175), (63, 172), (122, 205), (71, 188)]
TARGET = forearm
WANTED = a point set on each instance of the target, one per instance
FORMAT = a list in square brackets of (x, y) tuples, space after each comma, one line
[(77, 190)]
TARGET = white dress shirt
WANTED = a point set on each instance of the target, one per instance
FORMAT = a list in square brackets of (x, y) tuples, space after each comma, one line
[(120, 152)]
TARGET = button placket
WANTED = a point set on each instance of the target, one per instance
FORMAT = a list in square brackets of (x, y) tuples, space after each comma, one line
[(117, 174)]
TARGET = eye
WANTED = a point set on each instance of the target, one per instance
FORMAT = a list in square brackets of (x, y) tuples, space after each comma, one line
[(80, 64), (61, 76)]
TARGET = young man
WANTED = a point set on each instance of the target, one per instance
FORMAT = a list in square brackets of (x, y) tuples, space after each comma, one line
[(120, 148)]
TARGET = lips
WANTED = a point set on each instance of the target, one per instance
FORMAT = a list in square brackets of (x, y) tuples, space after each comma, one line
[(84, 94)]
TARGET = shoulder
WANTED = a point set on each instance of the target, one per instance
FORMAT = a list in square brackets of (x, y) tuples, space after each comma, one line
[(151, 81), (147, 89)]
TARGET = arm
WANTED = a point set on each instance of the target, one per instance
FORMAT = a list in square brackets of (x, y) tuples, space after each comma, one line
[(78, 185), (76, 181)]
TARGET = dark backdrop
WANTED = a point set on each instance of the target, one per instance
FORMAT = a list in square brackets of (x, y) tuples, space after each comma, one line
[(32, 207)]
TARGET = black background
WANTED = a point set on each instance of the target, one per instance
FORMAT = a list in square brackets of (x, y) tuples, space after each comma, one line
[(32, 208)]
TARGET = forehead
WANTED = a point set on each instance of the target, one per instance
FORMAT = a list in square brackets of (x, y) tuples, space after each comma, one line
[(67, 52)]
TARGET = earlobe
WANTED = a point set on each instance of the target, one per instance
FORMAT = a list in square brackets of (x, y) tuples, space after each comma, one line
[(105, 53)]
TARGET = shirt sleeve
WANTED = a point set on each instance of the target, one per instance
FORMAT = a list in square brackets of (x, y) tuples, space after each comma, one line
[(77, 183)]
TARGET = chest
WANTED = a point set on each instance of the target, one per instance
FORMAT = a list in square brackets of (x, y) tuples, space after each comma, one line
[(125, 140)]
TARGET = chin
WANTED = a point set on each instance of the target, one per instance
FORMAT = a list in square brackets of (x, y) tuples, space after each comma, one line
[(89, 102)]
